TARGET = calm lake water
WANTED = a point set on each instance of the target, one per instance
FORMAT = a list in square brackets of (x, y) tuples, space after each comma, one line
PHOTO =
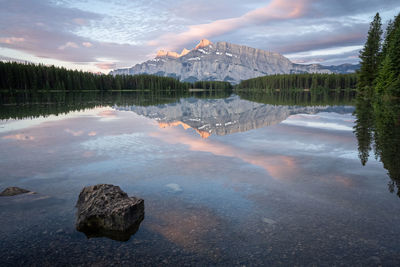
[(225, 180)]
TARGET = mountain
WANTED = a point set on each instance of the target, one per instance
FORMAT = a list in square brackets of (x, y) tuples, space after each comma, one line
[(224, 116), (344, 68), (224, 62)]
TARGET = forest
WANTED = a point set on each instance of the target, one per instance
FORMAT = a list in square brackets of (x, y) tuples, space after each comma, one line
[(304, 81), (300, 98), (377, 125), (40, 78)]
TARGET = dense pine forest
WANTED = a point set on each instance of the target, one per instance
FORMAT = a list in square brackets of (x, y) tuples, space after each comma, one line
[(301, 81), (300, 98), (208, 85), (33, 78)]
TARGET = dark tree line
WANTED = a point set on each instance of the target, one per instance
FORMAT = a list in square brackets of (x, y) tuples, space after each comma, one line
[(212, 85), (301, 81), (300, 98), (33, 78)]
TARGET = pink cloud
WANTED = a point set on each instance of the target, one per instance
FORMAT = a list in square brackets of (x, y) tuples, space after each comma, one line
[(92, 133), (278, 166), (74, 133), (107, 114), (68, 45), (80, 21), (105, 65), (345, 181), (11, 40), (19, 137), (87, 44), (88, 154), (275, 10)]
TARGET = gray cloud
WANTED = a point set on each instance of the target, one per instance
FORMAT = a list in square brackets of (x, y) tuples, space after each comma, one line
[(338, 8), (336, 59), (122, 32), (47, 30)]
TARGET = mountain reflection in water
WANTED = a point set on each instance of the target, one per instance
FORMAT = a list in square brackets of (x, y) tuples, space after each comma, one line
[(224, 116)]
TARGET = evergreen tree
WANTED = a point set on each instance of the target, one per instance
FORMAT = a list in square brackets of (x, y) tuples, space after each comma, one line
[(370, 55), (364, 125), (388, 81), (388, 36)]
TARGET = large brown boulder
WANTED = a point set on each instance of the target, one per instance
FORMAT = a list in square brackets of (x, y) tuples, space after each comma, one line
[(106, 210)]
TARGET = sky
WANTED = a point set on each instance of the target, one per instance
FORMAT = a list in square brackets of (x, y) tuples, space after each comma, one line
[(101, 35)]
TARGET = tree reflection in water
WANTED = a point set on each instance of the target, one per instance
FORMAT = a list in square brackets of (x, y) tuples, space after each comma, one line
[(378, 127)]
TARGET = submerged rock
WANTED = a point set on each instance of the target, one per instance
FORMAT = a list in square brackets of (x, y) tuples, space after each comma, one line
[(12, 191), (106, 210), (269, 221), (174, 187)]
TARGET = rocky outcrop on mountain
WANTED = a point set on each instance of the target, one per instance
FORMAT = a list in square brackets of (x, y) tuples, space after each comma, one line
[(106, 210), (224, 116), (203, 43), (222, 61)]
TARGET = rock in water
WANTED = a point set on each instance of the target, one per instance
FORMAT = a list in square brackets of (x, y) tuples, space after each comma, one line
[(12, 191), (106, 210)]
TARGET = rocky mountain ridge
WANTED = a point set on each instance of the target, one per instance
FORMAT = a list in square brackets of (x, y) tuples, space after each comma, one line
[(224, 61)]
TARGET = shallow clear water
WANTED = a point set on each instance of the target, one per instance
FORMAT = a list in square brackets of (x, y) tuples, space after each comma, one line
[(225, 182)]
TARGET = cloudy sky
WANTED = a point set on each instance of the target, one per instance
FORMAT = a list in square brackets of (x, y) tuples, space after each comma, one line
[(99, 35)]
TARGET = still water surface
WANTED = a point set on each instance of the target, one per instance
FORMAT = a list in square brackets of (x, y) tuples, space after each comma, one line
[(226, 181)]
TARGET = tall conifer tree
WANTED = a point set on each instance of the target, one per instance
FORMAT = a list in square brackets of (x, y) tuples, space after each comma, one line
[(388, 81), (370, 54)]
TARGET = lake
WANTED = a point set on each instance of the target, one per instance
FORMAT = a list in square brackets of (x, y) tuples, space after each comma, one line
[(233, 180)]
